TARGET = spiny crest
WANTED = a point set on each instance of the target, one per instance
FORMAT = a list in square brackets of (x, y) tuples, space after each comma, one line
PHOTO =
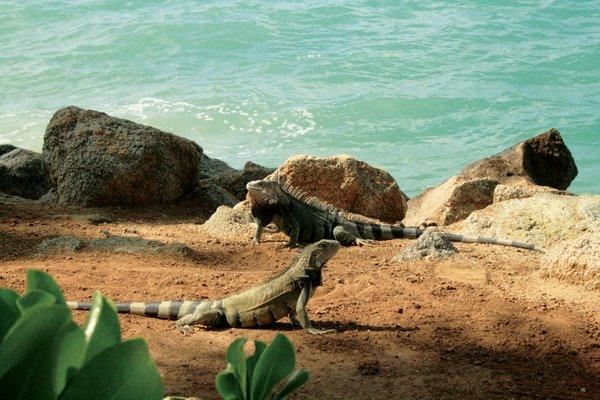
[(283, 271), (322, 205)]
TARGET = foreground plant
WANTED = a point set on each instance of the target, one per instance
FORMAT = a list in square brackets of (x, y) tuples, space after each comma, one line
[(254, 377), (45, 355)]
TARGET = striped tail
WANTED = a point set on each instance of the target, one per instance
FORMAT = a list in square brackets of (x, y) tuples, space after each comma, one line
[(387, 232), (163, 309)]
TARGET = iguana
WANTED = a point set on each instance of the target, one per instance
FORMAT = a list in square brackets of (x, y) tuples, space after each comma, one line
[(307, 219), (284, 295)]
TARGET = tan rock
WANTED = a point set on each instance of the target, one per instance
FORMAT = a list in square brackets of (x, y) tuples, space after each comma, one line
[(522, 191), (347, 183), (228, 223), (575, 261), (543, 219), (542, 160)]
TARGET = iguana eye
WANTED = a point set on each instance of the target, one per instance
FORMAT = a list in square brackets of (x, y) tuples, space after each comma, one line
[(271, 201)]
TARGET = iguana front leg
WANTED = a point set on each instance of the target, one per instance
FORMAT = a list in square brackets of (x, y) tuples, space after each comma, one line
[(302, 315), (294, 232), (205, 317), (257, 234)]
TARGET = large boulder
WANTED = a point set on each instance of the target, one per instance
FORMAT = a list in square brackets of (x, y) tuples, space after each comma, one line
[(97, 160), (542, 160), (543, 219), (235, 181), (22, 174), (6, 148), (210, 167), (575, 261), (347, 183)]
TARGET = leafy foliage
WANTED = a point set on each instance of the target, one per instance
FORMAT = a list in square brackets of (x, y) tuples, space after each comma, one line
[(45, 355), (256, 376)]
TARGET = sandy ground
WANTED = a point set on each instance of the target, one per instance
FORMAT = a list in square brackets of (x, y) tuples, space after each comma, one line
[(481, 325)]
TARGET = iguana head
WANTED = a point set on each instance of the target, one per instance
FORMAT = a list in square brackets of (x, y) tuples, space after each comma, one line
[(264, 193), (320, 252)]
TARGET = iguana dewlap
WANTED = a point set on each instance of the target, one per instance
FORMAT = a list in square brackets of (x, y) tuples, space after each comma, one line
[(285, 295)]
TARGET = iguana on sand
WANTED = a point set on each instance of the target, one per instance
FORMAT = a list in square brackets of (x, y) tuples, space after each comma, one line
[(307, 219), (285, 295)]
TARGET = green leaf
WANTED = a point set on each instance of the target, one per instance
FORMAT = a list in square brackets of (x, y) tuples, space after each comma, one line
[(237, 363), (251, 361), (297, 379), (124, 371), (35, 298), (275, 363), (39, 280), (39, 353), (9, 311), (102, 327), (228, 386)]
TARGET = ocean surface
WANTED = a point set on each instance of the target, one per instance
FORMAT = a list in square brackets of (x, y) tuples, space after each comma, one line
[(418, 88)]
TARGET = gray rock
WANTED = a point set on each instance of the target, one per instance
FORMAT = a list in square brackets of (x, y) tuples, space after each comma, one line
[(61, 245), (22, 174), (213, 196), (227, 223), (98, 160), (50, 197), (235, 181), (6, 148), (213, 166), (8, 199), (431, 245)]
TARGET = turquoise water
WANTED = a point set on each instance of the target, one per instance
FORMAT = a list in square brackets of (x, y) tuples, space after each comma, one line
[(418, 88)]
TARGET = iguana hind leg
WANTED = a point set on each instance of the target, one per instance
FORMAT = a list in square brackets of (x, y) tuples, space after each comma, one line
[(302, 315), (347, 239), (203, 317)]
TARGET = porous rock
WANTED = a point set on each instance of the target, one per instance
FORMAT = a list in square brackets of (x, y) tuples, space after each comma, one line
[(210, 167), (542, 160), (22, 174), (522, 191), (61, 245), (227, 223), (574, 261), (543, 219), (431, 245), (98, 160), (347, 183), (213, 196), (6, 148)]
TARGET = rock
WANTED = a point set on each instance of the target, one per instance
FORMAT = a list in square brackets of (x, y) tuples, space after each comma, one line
[(431, 245), (542, 160), (228, 223), (574, 261), (347, 183), (22, 174), (61, 245), (6, 148), (210, 167), (98, 160), (507, 192), (235, 181), (543, 219), (213, 196), (137, 245), (49, 198)]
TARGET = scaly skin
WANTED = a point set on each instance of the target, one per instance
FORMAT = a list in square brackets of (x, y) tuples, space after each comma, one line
[(285, 295), (306, 220)]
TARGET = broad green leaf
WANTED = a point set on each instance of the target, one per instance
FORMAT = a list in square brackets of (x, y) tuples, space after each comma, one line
[(237, 362), (38, 353), (9, 311), (228, 386), (102, 327), (297, 379), (124, 371), (251, 361), (275, 363), (39, 280), (35, 298)]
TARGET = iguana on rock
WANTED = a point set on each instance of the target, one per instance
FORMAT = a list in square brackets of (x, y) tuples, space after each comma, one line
[(284, 295), (307, 219)]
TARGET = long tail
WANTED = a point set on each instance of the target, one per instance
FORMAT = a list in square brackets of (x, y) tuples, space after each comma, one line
[(163, 309), (386, 232)]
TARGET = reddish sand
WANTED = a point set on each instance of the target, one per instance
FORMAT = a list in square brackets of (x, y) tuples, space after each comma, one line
[(481, 325)]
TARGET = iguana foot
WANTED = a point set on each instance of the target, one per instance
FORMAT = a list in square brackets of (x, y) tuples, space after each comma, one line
[(184, 329), (366, 242), (316, 331)]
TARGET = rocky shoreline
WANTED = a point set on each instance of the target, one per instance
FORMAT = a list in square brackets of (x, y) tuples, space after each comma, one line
[(91, 159)]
